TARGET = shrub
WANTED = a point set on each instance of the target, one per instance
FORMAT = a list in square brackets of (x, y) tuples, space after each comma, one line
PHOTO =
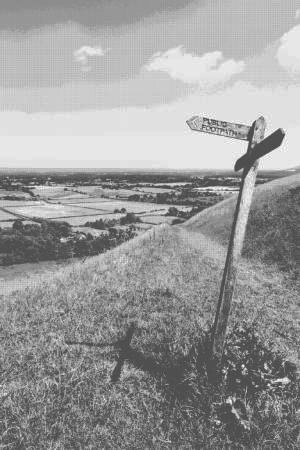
[(97, 224), (177, 221), (129, 218), (172, 211)]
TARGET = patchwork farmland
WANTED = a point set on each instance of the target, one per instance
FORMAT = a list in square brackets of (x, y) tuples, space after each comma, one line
[(77, 203), (79, 207)]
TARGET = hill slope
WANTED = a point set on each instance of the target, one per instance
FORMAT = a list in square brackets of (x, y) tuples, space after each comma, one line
[(273, 230), (55, 395)]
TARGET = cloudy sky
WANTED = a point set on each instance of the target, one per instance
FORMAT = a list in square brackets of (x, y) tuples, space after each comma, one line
[(110, 83)]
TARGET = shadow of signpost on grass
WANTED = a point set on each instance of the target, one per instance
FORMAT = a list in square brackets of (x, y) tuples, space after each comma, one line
[(249, 372)]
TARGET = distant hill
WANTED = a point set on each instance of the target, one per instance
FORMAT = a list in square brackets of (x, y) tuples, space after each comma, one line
[(273, 231), (295, 169)]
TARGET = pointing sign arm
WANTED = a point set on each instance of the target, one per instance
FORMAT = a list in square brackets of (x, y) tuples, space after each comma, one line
[(219, 127), (263, 148)]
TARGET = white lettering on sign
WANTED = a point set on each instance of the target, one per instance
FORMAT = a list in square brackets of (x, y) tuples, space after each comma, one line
[(219, 127)]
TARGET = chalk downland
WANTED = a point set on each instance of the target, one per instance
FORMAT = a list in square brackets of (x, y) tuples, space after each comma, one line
[(273, 230), (166, 282)]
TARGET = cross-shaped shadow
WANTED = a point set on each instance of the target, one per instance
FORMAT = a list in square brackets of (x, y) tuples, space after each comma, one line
[(173, 373)]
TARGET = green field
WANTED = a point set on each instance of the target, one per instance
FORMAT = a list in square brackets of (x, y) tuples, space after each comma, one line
[(80, 213), (78, 210), (10, 223), (81, 220), (5, 216), (51, 191), (157, 219), (47, 211), (82, 199), (12, 203), (97, 191), (4, 193), (135, 207), (65, 197)]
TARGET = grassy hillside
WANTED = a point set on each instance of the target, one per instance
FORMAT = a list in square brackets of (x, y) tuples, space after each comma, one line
[(59, 396), (273, 231)]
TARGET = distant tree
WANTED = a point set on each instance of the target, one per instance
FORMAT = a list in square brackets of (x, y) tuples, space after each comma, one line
[(60, 229), (8, 260), (97, 224), (113, 232), (134, 198), (110, 223), (32, 229), (18, 225), (32, 253), (46, 240), (172, 211), (129, 218)]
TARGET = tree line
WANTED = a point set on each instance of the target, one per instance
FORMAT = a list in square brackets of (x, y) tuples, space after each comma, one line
[(51, 240), (101, 224)]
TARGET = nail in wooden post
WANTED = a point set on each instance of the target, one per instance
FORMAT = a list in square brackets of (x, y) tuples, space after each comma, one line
[(236, 242)]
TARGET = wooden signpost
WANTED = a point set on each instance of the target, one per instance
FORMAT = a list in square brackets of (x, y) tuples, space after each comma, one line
[(257, 147), (219, 127)]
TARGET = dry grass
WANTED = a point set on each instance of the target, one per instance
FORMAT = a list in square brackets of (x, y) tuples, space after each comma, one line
[(273, 230), (20, 276), (59, 396), (157, 219)]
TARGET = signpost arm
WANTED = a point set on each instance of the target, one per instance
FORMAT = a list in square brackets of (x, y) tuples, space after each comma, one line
[(236, 242)]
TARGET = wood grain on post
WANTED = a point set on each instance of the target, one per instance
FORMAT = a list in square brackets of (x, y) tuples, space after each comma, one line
[(236, 242)]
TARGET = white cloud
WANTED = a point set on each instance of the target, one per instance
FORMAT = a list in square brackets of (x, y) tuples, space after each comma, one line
[(297, 14), (82, 55), (288, 53), (207, 70)]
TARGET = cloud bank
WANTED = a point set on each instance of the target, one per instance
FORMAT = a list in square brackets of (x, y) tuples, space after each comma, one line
[(208, 70)]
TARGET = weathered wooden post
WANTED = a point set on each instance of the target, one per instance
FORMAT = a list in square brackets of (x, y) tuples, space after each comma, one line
[(236, 242), (257, 147)]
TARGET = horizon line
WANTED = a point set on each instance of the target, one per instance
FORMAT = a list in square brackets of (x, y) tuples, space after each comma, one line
[(121, 169)]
